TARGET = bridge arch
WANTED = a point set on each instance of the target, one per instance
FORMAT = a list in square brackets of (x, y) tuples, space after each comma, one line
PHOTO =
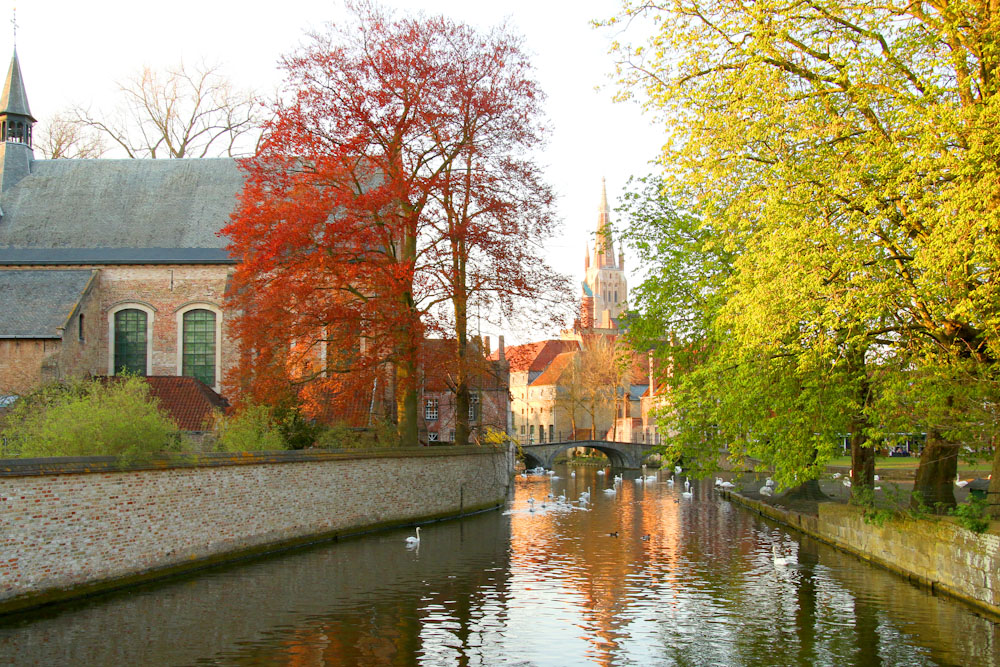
[(620, 454)]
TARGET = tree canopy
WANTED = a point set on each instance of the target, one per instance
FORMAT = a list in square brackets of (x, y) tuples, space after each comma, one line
[(844, 154), (394, 188)]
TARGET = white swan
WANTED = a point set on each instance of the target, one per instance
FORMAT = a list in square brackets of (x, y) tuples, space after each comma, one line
[(959, 482), (687, 494), (600, 472), (610, 491), (779, 561), (670, 481), (726, 485), (766, 491), (414, 540), (687, 484)]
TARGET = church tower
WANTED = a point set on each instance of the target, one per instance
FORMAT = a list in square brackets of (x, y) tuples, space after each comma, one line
[(605, 292), (16, 124)]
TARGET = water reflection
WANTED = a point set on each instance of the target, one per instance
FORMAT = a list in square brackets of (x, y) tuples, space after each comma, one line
[(541, 585)]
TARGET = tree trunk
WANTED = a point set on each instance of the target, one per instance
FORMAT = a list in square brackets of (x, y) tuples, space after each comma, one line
[(862, 462), (809, 490), (935, 481), (993, 493), (406, 400), (460, 301)]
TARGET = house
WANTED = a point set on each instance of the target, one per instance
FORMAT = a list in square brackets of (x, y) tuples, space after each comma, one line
[(489, 398), (109, 265)]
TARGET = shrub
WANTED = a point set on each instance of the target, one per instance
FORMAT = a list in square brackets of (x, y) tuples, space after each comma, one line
[(340, 436), (973, 515), (114, 417), (251, 429)]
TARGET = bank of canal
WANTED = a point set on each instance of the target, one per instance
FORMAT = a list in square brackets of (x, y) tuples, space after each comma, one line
[(712, 584)]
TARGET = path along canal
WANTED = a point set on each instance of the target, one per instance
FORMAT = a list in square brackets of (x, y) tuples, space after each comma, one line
[(712, 585)]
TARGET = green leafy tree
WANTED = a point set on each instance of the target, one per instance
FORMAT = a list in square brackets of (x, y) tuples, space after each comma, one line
[(845, 151), (252, 428)]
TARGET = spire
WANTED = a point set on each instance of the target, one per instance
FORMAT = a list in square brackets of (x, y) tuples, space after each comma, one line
[(604, 252), (15, 129), (586, 257), (14, 101)]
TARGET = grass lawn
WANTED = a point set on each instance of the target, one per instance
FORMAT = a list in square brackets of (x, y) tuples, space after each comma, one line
[(905, 462)]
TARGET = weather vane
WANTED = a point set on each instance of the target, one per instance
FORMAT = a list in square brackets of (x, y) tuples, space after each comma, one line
[(13, 22)]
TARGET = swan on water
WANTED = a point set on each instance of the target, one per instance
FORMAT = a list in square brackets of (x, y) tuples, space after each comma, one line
[(766, 491), (414, 540), (779, 561), (687, 494)]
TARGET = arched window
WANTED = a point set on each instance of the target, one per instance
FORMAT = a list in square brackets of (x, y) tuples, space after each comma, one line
[(130, 341), (198, 346)]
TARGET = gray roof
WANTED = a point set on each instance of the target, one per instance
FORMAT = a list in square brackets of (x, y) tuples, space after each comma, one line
[(36, 304), (14, 100), (114, 207)]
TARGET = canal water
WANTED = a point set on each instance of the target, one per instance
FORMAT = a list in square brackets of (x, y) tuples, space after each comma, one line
[(542, 583)]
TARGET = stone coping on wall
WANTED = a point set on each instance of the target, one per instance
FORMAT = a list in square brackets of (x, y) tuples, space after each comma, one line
[(67, 465), (822, 528)]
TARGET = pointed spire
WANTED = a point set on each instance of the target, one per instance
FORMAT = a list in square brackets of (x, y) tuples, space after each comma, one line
[(586, 257), (14, 100), (604, 252)]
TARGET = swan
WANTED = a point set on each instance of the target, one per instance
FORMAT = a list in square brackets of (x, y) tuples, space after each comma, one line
[(779, 561), (769, 482), (414, 540), (600, 472), (687, 494), (687, 484), (718, 481), (585, 495), (959, 482), (836, 475), (524, 474), (766, 491), (572, 473), (610, 491), (651, 479), (847, 483), (670, 481), (726, 485)]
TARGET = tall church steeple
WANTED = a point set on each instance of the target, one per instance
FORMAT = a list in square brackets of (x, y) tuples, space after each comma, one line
[(605, 290), (604, 251), (16, 124)]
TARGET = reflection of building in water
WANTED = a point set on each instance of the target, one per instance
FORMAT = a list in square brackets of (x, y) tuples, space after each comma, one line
[(596, 575)]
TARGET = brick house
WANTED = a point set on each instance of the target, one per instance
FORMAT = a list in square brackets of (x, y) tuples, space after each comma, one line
[(109, 264), (489, 398)]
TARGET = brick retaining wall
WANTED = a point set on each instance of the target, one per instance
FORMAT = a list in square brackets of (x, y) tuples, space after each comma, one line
[(74, 526), (935, 553)]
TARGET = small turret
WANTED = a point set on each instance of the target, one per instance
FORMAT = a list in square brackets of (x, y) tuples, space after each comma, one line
[(16, 124)]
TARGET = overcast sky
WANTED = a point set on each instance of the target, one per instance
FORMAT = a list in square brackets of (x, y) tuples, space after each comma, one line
[(74, 52)]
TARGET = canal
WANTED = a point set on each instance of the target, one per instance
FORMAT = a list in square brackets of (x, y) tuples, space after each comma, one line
[(686, 581)]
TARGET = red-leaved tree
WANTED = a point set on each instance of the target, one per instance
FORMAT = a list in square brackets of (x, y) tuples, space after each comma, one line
[(394, 187)]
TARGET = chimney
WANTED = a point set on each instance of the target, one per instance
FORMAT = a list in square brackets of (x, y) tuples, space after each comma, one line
[(486, 346), (501, 354)]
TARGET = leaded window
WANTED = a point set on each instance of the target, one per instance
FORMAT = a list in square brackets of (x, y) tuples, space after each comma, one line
[(431, 409), (130, 341), (198, 354), (473, 406)]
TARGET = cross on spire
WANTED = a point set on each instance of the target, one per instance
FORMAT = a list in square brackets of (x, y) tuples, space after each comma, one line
[(13, 22)]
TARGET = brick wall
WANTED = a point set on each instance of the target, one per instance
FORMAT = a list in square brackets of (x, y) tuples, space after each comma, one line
[(936, 553), (65, 534)]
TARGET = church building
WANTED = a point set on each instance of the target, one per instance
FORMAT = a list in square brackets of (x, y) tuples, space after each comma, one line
[(109, 265), (605, 290)]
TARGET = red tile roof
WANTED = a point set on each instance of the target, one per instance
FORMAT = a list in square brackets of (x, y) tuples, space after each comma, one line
[(535, 357), (188, 401), (555, 370)]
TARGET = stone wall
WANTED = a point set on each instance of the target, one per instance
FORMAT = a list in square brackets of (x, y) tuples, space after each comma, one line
[(936, 553), (74, 526)]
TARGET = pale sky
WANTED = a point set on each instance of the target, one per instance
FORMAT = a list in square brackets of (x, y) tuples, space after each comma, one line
[(74, 52)]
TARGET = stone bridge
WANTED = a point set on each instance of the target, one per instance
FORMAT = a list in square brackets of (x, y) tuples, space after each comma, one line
[(621, 454)]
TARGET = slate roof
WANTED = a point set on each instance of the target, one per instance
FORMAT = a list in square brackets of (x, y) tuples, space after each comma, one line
[(121, 211), (35, 304), (188, 401)]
